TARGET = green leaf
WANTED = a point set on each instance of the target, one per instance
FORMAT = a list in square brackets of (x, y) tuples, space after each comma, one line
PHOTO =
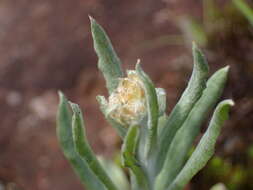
[(129, 160), (205, 148), (185, 136), (121, 130), (134, 184), (161, 97), (245, 9), (64, 134), (153, 109), (108, 61), (116, 173), (180, 112), (83, 148), (219, 186), (162, 123)]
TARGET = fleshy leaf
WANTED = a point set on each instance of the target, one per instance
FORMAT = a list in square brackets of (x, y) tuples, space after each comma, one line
[(161, 97), (129, 160), (83, 148), (185, 136), (116, 173), (64, 134), (190, 96), (218, 186), (205, 148), (108, 61), (162, 123), (152, 106)]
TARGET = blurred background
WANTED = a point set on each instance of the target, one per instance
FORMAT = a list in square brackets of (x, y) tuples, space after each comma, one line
[(46, 46)]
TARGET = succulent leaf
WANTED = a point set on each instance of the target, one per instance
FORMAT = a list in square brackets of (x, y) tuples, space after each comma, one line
[(185, 136), (205, 148), (115, 172), (84, 150), (65, 139), (161, 97), (108, 61), (129, 158), (153, 108), (190, 96)]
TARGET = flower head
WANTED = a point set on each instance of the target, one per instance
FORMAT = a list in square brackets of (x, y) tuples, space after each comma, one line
[(127, 104)]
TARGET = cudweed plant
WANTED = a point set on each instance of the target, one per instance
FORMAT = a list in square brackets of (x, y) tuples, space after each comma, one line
[(155, 145)]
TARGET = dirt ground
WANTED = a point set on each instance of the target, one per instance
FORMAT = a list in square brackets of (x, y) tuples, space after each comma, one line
[(46, 46)]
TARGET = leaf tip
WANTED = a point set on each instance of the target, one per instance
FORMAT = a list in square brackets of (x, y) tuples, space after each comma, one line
[(60, 94), (92, 20), (94, 25), (194, 45), (225, 106), (62, 98), (195, 48), (229, 102), (199, 58), (226, 69), (138, 65), (75, 108)]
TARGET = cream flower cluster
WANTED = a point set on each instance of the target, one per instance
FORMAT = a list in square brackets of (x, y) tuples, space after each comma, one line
[(127, 104)]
